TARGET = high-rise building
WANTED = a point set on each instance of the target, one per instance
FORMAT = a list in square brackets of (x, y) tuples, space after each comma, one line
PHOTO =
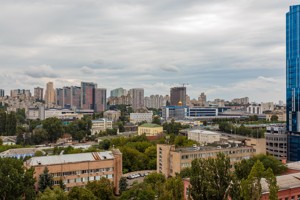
[(67, 97), (20, 92), (59, 97), (75, 97), (2, 93), (39, 93), (50, 94), (178, 96), (100, 100), (202, 99), (293, 82), (137, 98), (88, 95), (118, 92)]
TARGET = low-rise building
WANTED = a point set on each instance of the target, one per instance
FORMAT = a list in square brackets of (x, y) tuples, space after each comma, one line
[(150, 129), (8, 140), (112, 115), (100, 125), (171, 160), (19, 153), (141, 117), (76, 170), (276, 142), (204, 136)]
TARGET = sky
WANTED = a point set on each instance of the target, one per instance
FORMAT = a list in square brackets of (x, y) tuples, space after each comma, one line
[(227, 49)]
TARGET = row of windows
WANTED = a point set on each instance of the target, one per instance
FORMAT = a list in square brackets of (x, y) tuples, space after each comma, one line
[(204, 155), (85, 179), (91, 171), (292, 198)]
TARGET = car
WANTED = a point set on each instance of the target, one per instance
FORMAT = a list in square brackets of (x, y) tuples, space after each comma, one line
[(141, 174), (146, 174)]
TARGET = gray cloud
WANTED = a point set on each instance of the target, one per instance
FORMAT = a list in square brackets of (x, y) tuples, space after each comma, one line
[(43, 71), (214, 43)]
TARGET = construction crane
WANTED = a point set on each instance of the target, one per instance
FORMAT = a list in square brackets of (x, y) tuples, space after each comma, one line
[(184, 84)]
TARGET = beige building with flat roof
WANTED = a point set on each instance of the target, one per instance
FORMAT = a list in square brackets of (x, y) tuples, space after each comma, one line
[(150, 129), (171, 160), (79, 169), (204, 136)]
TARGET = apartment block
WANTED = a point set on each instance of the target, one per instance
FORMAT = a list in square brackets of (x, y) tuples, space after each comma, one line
[(76, 170), (171, 160), (140, 117), (276, 142), (2, 93), (38, 93), (100, 125)]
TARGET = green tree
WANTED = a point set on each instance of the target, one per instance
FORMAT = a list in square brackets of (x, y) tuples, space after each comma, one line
[(156, 120), (210, 178), (2, 122), (173, 189), (39, 136), (139, 192), (123, 184), (54, 128), (15, 181), (274, 118), (105, 144), (56, 194), (45, 180), (79, 135), (102, 189), (156, 181), (81, 194), (11, 124)]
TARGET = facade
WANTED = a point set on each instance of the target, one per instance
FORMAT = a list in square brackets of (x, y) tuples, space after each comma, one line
[(155, 101), (100, 100), (76, 170), (254, 109), (178, 96), (150, 130), (50, 94), (59, 97), (137, 98), (20, 92), (197, 112), (2, 93), (171, 160), (204, 136), (112, 115), (100, 125), (118, 92), (241, 101), (140, 117), (88, 95), (67, 92), (202, 100), (39, 93), (75, 97), (293, 82), (276, 142), (174, 112)]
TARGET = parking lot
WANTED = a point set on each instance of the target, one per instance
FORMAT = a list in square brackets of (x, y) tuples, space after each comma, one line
[(137, 176)]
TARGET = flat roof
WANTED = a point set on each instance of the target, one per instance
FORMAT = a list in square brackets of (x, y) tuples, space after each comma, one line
[(284, 182), (19, 151), (70, 158), (204, 132), (148, 125)]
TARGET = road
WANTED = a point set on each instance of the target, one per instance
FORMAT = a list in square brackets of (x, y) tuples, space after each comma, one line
[(139, 179)]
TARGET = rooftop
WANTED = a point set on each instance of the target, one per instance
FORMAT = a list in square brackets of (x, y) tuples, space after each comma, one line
[(148, 125), (204, 132), (70, 158), (284, 182), (20, 151)]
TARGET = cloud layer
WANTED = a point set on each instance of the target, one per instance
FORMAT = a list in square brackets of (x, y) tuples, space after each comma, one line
[(225, 48)]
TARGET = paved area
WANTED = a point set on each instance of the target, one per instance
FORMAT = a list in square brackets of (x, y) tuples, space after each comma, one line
[(139, 179)]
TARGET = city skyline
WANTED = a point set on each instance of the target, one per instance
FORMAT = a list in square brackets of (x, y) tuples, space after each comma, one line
[(227, 50)]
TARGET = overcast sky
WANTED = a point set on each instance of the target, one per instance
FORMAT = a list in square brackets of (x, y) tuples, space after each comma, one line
[(227, 49)]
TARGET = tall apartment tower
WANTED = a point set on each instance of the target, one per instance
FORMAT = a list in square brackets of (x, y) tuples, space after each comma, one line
[(2, 93), (50, 94), (137, 98), (59, 97), (38, 93), (178, 96), (118, 92), (75, 97), (293, 82), (88, 95), (100, 100)]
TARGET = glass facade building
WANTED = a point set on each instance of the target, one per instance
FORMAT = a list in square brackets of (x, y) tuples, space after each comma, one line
[(293, 81)]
